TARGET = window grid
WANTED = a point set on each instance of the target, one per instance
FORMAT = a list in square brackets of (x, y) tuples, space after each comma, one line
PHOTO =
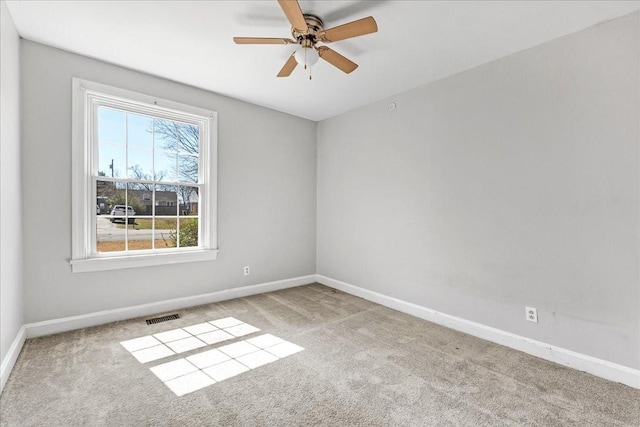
[(127, 180), (137, 110)]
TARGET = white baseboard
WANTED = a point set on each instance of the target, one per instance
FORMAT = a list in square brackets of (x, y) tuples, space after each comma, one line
[(601, 368), (12, 355), (582, 362), (101, 317)]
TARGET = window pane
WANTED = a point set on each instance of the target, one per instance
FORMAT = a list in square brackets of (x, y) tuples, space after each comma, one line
[(112, 160), (112, 125), (188, 198), (108, 237), (166, 134), (136, 205), (140, 131), (165, 165), (166, 236), (188, 139), (188, 232), (114, 192), (103, 192), (188, 152), (112, 136), (188, 145), (187, 168), (140, 164), (166, 202), (140, 234)]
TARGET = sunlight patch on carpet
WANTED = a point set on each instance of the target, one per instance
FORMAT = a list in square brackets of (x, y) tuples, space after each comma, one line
[(201, 370), (164, 344)]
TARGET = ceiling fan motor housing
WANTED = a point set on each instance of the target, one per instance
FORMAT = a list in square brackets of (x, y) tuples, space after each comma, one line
[(308, 39)]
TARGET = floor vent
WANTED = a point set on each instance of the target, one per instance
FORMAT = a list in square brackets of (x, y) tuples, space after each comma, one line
[(162, 319)]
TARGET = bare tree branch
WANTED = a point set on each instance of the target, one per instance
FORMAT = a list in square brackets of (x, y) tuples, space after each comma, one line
[(185, 139), (138, 174)]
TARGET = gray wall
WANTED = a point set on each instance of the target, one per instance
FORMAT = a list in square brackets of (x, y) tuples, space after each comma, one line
[(512, 184), (266, 194), (10, 184)]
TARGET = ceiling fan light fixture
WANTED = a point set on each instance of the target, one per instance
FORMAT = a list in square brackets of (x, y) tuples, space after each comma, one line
[(306, 56)]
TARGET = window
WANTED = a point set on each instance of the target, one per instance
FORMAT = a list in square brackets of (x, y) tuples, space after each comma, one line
[(144, 188)]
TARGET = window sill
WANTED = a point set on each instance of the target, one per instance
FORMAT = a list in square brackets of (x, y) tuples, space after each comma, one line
[(145, 260)]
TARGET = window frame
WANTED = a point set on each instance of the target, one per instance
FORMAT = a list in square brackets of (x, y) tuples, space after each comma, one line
[(87, 97)]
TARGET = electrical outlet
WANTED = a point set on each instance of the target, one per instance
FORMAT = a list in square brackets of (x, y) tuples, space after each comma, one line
[(246, 270), (532, 314)]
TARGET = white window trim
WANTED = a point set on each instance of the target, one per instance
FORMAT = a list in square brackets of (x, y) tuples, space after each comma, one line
[(83, 221)]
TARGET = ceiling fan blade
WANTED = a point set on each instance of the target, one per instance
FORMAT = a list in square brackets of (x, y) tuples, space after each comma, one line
[(288, 66), (347, 31), (261, 40), (291, 8), (337, 60)]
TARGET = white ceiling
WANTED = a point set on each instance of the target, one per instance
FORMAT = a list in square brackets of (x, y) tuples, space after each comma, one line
[(191, 42)]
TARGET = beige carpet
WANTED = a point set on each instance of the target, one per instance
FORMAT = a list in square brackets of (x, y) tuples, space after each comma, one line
[(362, 365)]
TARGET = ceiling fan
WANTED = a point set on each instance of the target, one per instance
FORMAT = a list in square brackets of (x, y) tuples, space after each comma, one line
[(307, 30)]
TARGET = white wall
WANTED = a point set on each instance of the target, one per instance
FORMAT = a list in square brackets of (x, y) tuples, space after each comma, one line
[(267, 194), (11, 314), (512, 184)]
